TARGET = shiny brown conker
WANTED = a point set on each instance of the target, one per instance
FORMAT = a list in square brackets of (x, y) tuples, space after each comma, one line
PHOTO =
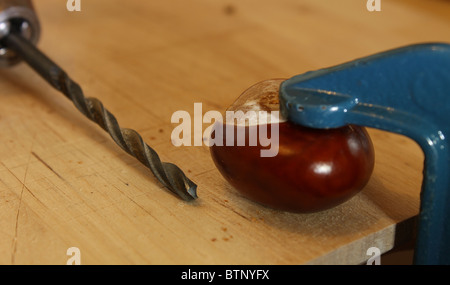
[(313, 170)]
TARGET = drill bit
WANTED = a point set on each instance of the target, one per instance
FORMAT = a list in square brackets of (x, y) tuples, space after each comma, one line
[(170, 175)]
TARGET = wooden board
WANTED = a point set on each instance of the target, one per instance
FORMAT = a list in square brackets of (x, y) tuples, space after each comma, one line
[(64, 183)]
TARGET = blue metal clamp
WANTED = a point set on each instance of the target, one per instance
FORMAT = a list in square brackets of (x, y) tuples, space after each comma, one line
[(405, 91)]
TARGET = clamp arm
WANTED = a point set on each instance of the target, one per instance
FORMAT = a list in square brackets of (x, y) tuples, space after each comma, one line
[(405, 91)]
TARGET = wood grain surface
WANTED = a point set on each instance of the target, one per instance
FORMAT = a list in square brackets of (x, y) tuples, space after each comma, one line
[(64, 183)]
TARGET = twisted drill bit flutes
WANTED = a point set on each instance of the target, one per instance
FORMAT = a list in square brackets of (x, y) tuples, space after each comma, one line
[(170, 175)]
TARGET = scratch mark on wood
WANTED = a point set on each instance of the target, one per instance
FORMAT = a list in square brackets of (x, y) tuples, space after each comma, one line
[(28, 189), (233, 210), (46, 165), (134, 202), (204, 172), (16, 227), (34, 196), (14, 241)]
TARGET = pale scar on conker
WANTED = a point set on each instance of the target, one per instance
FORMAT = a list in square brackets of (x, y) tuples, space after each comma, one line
[(314, 169)]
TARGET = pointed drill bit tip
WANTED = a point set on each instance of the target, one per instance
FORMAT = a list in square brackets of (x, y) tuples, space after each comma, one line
[(193, 192), (173, 178)]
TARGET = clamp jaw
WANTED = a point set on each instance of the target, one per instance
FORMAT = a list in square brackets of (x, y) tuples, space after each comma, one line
[(404, 91)]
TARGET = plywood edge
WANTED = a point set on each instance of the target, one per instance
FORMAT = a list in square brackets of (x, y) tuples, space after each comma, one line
[(385, 240)]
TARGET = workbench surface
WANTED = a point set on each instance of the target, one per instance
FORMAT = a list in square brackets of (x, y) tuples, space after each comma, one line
[(64, 183)]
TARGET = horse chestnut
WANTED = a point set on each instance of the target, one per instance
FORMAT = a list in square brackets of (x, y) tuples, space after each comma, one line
[(313, 169)]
